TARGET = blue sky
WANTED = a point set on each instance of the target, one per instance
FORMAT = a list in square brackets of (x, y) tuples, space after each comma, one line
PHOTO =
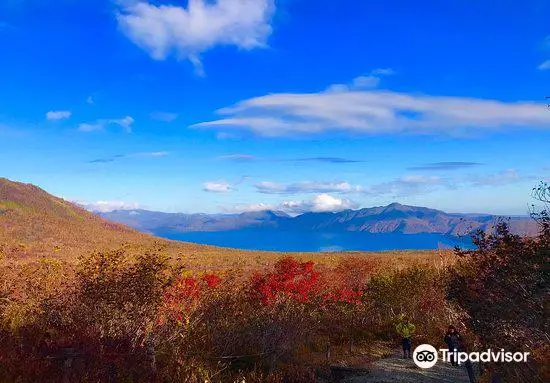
[(299, 105)]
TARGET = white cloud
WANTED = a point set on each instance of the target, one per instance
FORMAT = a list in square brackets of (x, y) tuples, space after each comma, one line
[(164, 116), (376, 112), (108, 206), (307, 187), (409, 185), (406, 186), (370, 81), (90, 100), (325, 203), (253, 207), (58, 115), (366, 82), (152, 154), (420, 184), (165, 30), (125, 123), (118, 157), (319, 203), (545, 65), (218, 187)]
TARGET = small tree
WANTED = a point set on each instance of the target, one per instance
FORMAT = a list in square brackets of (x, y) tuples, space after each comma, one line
[(504, 286), (541, 193)]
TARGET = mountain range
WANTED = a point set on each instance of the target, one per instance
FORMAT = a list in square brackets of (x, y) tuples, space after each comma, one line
[(394, 218), (34, 223)]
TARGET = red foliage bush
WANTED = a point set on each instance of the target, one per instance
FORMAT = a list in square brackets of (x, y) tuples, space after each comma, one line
[(184, 294), (291, 279)]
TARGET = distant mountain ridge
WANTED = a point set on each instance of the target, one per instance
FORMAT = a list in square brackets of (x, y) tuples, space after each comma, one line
[(394, 218)]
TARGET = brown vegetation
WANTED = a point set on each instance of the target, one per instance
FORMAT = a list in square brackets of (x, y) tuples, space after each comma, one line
[(153, 310), (146, 318)]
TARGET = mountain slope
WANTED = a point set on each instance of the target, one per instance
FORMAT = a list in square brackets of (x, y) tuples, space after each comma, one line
[(34, 223), (394, 218)]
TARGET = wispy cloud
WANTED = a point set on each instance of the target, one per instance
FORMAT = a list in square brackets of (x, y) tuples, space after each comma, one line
[(187, 32), (366, 82), (546, 46), (153, 154), (90, 100), (164, 116), (58, 115), (369, 81), (331, 160), (408, 186), (117, 157), (99, 125), (102, 160), (446, 166), (238, 157), (307, 187), (248, 158), (376, 112), (505, 177), (404, 186), (251, 207), (218, 187)]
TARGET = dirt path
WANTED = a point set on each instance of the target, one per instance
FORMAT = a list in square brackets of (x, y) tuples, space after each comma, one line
[(396, 369)]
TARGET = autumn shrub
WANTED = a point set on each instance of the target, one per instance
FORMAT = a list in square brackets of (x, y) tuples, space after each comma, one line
[(266, 323), (104, 314), (24, 293), (504, 286), (418, 293), (146, 318)]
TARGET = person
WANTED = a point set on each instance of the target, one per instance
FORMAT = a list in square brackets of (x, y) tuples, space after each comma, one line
[(406, 329), (452, 339), (468, 364)]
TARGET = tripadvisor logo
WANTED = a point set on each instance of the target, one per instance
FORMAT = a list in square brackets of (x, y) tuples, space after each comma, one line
[(426, 356)]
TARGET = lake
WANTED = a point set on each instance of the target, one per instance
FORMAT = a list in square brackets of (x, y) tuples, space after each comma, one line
[(270, 240)]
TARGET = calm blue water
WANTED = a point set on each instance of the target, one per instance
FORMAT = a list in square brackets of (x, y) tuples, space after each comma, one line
[(312, 241)]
